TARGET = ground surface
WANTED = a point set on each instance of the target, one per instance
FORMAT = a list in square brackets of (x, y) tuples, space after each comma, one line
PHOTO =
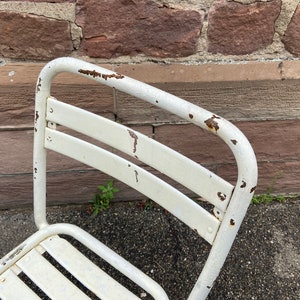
[(264, 262)]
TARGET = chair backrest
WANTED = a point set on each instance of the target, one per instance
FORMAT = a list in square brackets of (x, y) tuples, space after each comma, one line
[(230, 202)]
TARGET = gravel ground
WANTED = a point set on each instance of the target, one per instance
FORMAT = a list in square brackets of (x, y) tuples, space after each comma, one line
[(264, 262)]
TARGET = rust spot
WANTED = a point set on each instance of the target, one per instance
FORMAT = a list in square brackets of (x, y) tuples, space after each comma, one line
[(221, 196), (91, 73), (234, 142), (135, 138), (191, 116), (243, 184), (253, 189), (36, 115), (114, 75), (95, 74), (211, 123), (38, 87), (136, 175), (232, 222)]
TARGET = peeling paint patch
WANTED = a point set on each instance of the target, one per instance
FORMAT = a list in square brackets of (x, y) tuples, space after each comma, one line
[(36, 115), (211, 123), (38, 87), (243, 185), (135, 138), (136, 176), (221, 196), (95, 74)]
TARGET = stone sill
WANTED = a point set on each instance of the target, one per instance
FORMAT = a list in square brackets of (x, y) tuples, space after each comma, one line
[(27, 73)]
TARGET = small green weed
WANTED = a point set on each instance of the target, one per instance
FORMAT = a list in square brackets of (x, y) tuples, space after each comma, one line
[(103, 197), (268, 197)]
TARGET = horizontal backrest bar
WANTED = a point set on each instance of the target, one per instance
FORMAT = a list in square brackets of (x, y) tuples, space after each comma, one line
[(138, 178), (178, 167)]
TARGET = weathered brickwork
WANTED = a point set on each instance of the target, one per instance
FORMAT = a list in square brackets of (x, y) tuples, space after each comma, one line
[(134, 27), (27, 36), (234, 28), (136, 30), (291, 37)]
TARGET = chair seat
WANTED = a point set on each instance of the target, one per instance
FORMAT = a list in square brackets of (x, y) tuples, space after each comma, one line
[(52, 282)]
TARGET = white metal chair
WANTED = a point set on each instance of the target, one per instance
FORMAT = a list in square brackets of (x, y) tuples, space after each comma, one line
[(230, 202)]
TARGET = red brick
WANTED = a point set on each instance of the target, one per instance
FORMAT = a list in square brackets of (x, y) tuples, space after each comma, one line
[(291, 38), (27, 36), (115, 28), (235, 28)]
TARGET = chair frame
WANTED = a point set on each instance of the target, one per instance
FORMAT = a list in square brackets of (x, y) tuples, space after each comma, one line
[(230, 206)]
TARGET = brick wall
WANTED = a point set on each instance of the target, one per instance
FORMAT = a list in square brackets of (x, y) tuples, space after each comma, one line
[(239, 59), (186, 31)]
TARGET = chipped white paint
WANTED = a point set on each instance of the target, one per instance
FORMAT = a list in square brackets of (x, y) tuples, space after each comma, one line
[(231, 202)]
